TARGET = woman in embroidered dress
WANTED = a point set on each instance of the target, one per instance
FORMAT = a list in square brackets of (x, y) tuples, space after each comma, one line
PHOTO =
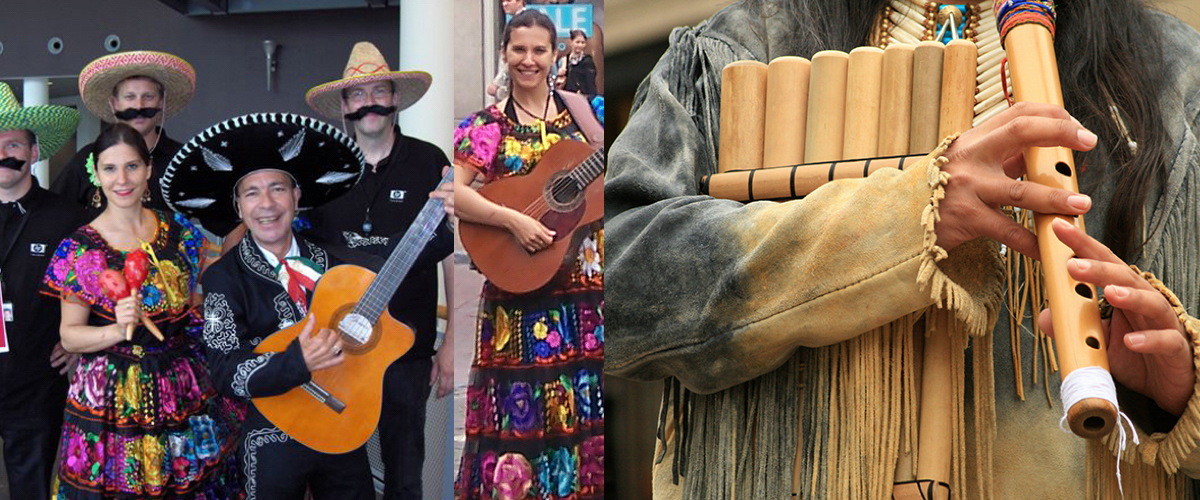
[(535, 421), (142, 419)]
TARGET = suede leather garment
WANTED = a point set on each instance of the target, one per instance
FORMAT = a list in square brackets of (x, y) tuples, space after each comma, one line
[(720, 295)]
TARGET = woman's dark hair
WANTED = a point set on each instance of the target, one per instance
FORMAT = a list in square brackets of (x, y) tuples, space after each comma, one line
[(575, 33), (1106, 49), (529, 18), (121, 133)]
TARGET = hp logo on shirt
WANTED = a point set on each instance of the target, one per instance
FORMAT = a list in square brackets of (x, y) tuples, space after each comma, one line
[(37, 249), (398, 195)]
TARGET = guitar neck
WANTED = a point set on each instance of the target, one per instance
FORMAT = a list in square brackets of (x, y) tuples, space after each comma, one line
[(589, 170), (401, 261)]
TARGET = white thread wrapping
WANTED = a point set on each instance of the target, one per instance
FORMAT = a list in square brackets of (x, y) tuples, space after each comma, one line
[(1096, 382)]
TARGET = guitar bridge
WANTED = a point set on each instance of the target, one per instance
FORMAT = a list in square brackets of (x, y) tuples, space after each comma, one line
[(322, 395)]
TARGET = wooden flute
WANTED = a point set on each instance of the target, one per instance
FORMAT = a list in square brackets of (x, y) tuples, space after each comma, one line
[(1078, 337)]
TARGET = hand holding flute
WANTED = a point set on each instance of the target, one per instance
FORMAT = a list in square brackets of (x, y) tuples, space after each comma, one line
[(1148, 349)]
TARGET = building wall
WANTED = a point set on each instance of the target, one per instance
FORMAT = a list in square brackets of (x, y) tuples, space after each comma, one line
[(227, 51)]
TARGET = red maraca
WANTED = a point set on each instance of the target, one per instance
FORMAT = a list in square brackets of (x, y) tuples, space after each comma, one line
[(137, 266), (114, 286)]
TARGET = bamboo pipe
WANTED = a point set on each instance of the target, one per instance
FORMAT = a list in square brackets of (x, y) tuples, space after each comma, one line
[(787, 106)]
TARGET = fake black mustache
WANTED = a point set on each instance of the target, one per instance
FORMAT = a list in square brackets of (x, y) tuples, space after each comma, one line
[(374, 108), (12, 163), (131, 113)]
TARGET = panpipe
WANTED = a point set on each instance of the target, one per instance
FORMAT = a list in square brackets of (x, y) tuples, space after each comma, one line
[(790, 126), (793, 125)]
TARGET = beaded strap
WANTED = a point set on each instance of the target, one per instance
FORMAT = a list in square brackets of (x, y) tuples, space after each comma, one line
[(1013, 13)]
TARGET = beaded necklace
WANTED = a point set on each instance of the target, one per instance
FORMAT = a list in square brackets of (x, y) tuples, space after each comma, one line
[(913, 21)]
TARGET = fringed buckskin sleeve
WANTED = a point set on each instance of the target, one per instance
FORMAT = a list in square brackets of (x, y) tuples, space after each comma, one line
[(716, 292), (1177, 449)]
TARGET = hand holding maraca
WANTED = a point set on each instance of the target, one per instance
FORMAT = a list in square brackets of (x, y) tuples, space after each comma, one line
[(120, 288)]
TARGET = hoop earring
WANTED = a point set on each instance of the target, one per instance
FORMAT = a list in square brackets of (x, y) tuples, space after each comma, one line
[(96, 201)]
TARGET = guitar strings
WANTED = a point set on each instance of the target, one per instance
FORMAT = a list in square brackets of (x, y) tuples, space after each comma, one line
[(540, 205)]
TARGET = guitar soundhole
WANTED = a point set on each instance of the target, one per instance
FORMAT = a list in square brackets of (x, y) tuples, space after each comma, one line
[(352, 345), (565, 190), (562, 193)]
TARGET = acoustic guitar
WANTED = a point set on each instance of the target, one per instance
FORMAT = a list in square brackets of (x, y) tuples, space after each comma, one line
[(337, 410), (563, 192)]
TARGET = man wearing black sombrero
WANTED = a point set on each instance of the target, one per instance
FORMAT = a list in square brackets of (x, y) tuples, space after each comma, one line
[(262, 169), (32, 361), (401, 171), (141, 89)]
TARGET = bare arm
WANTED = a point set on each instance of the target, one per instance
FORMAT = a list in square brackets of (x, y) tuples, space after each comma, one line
[(442, 375), (78, 337), (471, 206)]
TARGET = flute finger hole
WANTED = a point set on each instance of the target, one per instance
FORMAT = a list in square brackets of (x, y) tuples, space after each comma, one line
[(1083, 290), (1092, 342), (1063, 168)]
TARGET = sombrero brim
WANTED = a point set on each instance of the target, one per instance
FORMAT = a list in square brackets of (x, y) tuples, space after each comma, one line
[(97, 79), (326, 98), (53, 125), (199, 181)]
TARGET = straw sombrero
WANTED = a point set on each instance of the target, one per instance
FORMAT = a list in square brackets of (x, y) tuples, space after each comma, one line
[(366, 65), (200, 179), (97, 79), (52, 125)]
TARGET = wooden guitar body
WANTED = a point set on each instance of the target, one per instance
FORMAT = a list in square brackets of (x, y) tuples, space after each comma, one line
[(496, 252), (357, 383)]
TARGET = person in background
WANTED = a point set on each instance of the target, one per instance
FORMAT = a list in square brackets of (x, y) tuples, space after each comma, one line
[(140, 89), (32, 360), (372, 218), (581, 69), (498, 87)]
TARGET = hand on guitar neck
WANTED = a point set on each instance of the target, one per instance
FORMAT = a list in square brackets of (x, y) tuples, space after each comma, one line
[(322, 350)]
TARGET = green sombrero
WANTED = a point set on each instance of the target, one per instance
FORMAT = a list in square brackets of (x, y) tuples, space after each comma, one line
[(52, 125)]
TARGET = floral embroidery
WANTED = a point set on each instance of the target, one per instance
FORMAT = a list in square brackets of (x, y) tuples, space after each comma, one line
[(519, 407), (591, 454), (589, 257), (513, 476), (88, 266), (136, 412), (562, 470)]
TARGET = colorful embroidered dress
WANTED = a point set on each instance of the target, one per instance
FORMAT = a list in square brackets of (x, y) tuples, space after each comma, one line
[(535, 417), (142, 418)]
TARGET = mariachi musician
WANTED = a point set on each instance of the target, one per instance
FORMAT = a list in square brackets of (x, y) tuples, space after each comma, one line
[(785, 331), (262, 169)]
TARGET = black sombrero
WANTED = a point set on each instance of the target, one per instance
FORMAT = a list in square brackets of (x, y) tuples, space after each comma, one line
[(200, 179)]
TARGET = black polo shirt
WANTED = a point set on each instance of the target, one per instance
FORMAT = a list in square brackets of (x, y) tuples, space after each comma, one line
[(72, 182), (394, 193), (27, 382)]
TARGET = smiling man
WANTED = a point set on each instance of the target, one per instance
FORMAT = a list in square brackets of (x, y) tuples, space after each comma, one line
[(271, 166)]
